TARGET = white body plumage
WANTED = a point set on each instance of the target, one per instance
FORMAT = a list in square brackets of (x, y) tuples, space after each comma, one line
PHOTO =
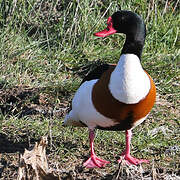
[(128, 84)]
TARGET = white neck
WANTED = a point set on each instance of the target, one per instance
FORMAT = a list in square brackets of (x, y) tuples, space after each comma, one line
[(128, 82)]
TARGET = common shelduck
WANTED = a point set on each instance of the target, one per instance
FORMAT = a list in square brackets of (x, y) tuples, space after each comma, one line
[(116, 97)]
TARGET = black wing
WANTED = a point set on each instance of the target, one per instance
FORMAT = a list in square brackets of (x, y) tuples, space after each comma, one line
[(96, 73)]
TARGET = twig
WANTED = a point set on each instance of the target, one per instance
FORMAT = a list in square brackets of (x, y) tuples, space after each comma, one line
[(165, 8), (175, 5)]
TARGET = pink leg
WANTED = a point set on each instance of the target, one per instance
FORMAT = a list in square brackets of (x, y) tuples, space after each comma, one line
[(126, 153), (94, 161)]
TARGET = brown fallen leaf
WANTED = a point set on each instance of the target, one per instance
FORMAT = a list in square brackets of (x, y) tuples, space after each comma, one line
[(33, 164)]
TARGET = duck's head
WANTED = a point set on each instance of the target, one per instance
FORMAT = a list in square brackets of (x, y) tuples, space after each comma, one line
[(130, 24), (125, 22)]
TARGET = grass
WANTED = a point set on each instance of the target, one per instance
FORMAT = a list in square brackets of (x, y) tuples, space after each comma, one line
[(47, 46)]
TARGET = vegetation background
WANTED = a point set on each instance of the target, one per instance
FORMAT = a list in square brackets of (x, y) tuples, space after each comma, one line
[(46, 47)]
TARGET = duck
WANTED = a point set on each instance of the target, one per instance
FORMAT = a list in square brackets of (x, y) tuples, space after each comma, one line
[(115, 97)]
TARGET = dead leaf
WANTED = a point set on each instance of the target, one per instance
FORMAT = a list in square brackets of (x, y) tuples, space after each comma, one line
[(33, 164)]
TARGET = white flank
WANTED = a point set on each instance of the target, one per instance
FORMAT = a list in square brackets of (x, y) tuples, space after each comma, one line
[(129, 83), (83, 109)]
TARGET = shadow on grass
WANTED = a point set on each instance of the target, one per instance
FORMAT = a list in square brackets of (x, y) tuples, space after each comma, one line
[(8, 146), (23, 101)]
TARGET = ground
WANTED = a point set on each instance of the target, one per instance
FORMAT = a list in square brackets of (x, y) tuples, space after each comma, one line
[(66, 156)]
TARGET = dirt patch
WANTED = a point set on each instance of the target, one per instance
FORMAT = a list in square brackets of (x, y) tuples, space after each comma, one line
[(22, 101), (9, 165)]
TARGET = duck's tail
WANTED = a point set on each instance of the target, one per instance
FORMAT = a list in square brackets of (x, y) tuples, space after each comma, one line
[(71, 120)]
